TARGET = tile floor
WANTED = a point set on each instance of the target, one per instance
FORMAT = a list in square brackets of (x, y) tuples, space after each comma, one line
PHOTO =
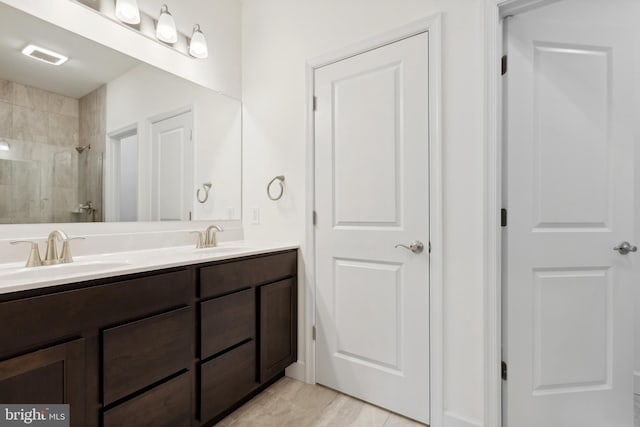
[(292, 403)]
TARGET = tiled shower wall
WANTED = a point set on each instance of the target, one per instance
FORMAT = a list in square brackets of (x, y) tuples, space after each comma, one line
[(93, 129), (39, 174)]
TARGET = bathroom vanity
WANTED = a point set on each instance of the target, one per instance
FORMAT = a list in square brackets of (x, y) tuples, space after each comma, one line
[(176, 346)]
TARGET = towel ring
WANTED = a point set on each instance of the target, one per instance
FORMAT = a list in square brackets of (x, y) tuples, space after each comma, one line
[(207, 187), (280, 179)]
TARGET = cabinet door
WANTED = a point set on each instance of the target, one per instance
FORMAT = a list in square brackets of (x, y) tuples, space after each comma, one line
[(54, 375), (278, 327), (226, 379)]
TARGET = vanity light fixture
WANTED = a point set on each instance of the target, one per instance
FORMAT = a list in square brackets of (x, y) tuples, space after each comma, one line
[(198, 46), (166, 28), (127, 11), (44, 55), (4, 145)]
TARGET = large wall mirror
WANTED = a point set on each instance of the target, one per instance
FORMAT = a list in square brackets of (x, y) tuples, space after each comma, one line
[(104, 137)]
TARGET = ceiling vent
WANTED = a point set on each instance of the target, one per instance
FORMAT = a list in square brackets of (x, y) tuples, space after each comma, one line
[(44, 55)]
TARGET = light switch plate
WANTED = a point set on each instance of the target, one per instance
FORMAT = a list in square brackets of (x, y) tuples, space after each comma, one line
[(255, 216)]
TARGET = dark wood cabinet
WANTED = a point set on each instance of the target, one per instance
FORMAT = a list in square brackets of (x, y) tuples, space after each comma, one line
[(167, 405), (52, 375), (179, 347), (226, 379), (227, 321), (138, 354), (278, 317)]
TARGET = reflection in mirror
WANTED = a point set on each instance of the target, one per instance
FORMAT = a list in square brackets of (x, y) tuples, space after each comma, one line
[(106, 137)]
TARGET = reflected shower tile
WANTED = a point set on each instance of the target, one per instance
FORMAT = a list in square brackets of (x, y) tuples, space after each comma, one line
[(101, 110), (30, 97), (62, 171), (6, 120), (6, 172), (98, 143), (64, 201), (22, 201), (63, 130), (29, 124), (20, 172), (61, 104), (6, 201), (6, 91)]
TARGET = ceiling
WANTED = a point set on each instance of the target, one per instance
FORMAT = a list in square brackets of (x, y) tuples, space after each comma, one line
[(90, 64)]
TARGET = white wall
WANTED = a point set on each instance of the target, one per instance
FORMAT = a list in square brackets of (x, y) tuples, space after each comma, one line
[(146, 92), (219, 20), (278, 37)]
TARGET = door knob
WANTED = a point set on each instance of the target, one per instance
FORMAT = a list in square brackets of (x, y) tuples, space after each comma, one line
[(625, 247), (416, 246)]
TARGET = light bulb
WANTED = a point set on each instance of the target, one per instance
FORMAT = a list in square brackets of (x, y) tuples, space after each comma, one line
[(198, 46), (166, 28), (127, 11)]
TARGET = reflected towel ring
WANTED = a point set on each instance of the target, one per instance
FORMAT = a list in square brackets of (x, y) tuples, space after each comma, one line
[(280, 179), (207, 187)]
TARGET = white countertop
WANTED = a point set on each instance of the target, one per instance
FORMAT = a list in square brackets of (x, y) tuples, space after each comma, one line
[(15, 277)]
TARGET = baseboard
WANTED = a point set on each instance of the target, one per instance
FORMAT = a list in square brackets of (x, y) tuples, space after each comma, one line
[(636, 382), (297, 371), (455, 420)]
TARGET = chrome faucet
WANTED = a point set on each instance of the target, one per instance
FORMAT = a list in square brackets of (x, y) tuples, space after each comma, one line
[(210, 240)]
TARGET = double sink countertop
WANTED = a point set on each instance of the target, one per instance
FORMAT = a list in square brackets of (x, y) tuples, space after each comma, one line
[(15, 277)]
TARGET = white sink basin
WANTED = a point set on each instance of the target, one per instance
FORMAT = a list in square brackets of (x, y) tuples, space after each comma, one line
[(53, 271)]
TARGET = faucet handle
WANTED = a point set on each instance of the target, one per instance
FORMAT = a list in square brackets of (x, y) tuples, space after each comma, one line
[(199, 239), (65, 252), (34, 256)]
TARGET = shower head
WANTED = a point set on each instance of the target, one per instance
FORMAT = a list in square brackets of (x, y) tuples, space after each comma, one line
[(81, 148)]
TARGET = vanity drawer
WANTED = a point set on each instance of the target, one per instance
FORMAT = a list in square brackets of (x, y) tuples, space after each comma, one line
[(227, 379), (167, 405), (138, 354), (231, 276), (227, 321), (68, 313)]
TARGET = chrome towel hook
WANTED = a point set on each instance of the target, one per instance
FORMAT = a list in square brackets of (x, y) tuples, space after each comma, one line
[(207, 187), (280, 179)]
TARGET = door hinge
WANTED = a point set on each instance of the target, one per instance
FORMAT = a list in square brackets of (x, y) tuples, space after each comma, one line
[(190, 215), (429, 247), (191, 135), (313, 332), (504, 371), (504, 62), (315, 218), (503, 217), (315, 103)]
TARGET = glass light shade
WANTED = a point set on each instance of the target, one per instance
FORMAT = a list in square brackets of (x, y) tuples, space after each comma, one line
[(198, 46), (166, 28), (127, 11)]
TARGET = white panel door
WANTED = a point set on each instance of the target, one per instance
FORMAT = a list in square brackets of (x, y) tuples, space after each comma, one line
[(173, 168), (570, 168), (372, 193)]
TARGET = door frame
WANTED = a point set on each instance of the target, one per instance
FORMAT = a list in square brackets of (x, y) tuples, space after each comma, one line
[(494, 13), (432, 25)]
